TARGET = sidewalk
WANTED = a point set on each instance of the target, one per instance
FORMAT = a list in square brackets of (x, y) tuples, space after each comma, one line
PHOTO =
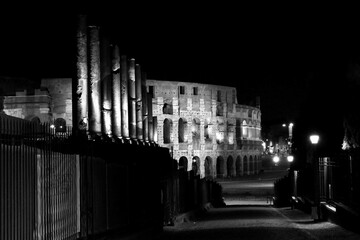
[(316, 230)]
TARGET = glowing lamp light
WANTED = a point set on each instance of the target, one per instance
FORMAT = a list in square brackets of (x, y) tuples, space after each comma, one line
[(314, 139), (276, 159), (290, 158), (52, 126)]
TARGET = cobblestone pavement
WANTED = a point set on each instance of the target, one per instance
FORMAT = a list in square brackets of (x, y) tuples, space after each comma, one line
[(255, 222)]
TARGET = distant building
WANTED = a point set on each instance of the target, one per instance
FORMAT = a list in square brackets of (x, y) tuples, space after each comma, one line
[(206, 129), (51, 102)]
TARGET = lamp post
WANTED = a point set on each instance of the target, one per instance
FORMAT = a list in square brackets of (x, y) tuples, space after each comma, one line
[(289, 154), (315, 211)]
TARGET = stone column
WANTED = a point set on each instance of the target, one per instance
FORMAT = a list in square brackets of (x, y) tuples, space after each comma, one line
[(139, 118), (124, 98), (132, 99), (145, 108), (155, 129), (106, 81), (95, 83), (150, 119), (116, 92), (80, 115)]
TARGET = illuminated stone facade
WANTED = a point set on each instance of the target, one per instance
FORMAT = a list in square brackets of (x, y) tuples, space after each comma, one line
[(51, 103), (33, 106), (206, 129)]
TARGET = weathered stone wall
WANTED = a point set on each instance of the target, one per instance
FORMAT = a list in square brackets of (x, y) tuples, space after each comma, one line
[(52, 101), (60, 90), (29, 105), (216, 106)]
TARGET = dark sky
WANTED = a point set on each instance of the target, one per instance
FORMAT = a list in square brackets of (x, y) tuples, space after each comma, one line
[(287, 55)]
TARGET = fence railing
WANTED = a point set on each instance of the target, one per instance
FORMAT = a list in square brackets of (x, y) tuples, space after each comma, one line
[(186, 191), (54, 185), (338, 180), (38, 182)]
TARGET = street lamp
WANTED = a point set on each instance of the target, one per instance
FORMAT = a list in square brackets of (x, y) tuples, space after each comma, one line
[(276, 159), (315, 211), (314, 139)]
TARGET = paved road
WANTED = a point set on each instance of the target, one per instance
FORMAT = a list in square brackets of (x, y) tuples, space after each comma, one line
[(248, 215), (254, 189), (255, 222)]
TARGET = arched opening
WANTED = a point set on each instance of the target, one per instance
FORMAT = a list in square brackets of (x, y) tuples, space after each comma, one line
[(207, 131), (244, 130), (195, 129), (167, 108), (167, 130), (246, 165), (238, 166), (208, 167), (256, 165), (182, 130), (196, 165), (33, 119), (60, 125), (251, 164), (230, 167), (183, 164), (220, 167), (238, 133)]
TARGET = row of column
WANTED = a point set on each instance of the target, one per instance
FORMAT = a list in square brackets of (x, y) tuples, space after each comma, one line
[(111, 95)]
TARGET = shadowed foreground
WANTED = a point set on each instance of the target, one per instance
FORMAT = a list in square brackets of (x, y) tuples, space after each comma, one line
[(255, 222)]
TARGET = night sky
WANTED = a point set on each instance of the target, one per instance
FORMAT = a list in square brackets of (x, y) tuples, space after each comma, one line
[(296, 59)]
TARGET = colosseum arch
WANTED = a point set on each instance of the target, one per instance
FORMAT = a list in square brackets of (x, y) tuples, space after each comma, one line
[(167, 130), (207, 130), (196, 165), (244, 129), (208, 167), (182, 129), (167, 108), (256, 164), (33, 118), (183, 164), (238, 166), (195, 129), (246, 165), (220, 167), (251, 164), (230, 166)]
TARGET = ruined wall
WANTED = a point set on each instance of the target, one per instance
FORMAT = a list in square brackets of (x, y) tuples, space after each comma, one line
[(60, 90), (29, 105)]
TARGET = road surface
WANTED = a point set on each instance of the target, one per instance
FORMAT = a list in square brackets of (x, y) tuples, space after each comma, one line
[(255, 222), (253, 189), (249, 215)]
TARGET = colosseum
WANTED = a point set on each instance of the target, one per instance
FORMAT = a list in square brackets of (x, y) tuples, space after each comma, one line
[(206, 129)]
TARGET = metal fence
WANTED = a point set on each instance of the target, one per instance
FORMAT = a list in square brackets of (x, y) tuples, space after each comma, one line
[(333, 179), (184, 191), (326, 180), (38, 182), (54, 185)]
